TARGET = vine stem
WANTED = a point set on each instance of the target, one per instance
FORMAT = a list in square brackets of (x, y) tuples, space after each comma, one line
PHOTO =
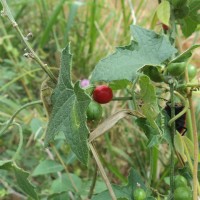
[(122, 98), (195, 141), (20, 142), (186, 106), (173, 131), (93, 183), (6, 12), (103, 174), (10, 121), (190, 162), (151, 167), (196, 148), (192, 85)]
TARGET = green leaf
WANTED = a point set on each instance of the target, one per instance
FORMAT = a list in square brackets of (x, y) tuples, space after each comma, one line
[(192, 20), (146, 127), (120, 192), (162, 121), (123, 191), (194, 6), (163, 12), (63, 183), (148, 48), (153, 133), (47, 167), (190, 146), (155, 140), (59, 196), (178, 143), (188, 26), (69, 111), (100, 186), (148, 96), (4, 164), (21, 178), (185, 55), (118, 85), (154, 20)]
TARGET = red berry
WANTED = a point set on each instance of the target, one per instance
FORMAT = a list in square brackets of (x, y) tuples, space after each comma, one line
[(102, 94), (165, 27)]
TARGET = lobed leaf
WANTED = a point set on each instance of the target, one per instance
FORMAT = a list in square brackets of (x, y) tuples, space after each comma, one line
[(147, 48), (69, 105)]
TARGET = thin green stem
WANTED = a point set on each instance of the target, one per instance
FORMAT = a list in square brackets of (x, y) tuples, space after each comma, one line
[(151, 167), (20, 142), (179, 114), (190, 161), (6, 12), (10, 121), (122, 98), (195, 140), (93, 183), (173, 131), (192, 85), (189, 125), (196, 148)]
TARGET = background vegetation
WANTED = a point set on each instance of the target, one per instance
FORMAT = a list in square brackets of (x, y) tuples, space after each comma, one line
[(94, 28)]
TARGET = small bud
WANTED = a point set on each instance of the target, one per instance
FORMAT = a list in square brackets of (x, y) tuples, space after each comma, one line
[(170, 81), (26, 55), (29, 35), (14, 24), (85, 83), (138, 185), (3, 14), (165, 27)]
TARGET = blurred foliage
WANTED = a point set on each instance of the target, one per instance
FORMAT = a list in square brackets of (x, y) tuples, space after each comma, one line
[(94, 28)]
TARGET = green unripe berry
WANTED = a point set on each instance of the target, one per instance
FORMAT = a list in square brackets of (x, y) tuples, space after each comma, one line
[(139, 194), (183, 193), (192, 71), (176, 69), (94, 111), (180, 181)]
